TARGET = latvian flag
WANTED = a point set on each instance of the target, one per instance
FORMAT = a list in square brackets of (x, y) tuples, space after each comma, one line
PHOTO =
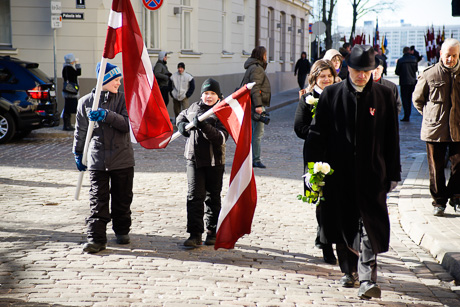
[(148, 115), (238, 206)]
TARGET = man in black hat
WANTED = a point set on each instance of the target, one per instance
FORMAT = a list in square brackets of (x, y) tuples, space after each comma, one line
[(355, 130)]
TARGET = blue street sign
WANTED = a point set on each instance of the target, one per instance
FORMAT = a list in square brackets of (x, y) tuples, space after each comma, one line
[(152, 4)]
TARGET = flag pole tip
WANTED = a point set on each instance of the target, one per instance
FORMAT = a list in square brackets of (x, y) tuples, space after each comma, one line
[(249, 86)]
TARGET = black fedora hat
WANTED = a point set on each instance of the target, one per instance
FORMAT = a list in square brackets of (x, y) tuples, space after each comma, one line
[(362, 57)]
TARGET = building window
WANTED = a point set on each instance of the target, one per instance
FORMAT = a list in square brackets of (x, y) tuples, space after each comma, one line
[(152, 29), (5, 24), (186, 25), (226, 37), (271, 34), (302, 35), (293, 30), (282, 27)]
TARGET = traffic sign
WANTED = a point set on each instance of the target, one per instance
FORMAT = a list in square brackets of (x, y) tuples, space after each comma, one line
[(56, 21), (152, 4), (55, 7), (319, 28)]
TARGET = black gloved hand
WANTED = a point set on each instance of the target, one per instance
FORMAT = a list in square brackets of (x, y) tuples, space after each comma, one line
[(196, 123), (182, 130)]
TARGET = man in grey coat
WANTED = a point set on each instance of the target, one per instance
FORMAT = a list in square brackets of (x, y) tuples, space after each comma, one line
[(437, 98), (110, 161)]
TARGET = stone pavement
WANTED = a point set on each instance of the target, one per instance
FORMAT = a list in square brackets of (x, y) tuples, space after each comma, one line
[(42, 229)]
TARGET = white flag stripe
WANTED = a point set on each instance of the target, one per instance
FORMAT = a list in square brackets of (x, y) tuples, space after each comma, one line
[(236, 107), (115, 19), (239, 183), (147, 66)]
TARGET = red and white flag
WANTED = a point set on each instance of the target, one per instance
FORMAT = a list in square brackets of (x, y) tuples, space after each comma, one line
[(147, 111), (239, 204)]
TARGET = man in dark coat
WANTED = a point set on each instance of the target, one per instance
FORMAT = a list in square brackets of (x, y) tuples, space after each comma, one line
[(377, 74), (355, 130), (406, 69), (302, 69)]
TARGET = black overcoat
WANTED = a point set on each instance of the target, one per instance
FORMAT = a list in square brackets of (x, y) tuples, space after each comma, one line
[(357, 134)]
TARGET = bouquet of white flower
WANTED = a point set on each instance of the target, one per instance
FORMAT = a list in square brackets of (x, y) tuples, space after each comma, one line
[(312, 101), (314, 179)]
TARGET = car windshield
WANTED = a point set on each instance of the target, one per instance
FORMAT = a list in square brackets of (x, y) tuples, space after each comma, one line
[(40, 74)]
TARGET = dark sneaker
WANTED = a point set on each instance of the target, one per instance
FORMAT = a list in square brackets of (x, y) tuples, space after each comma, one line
[(210, 239), (93, 247), (439, 211), (193, 241), (348, 281), (455, 202), (368, 290), (258, 164), (123, 239)]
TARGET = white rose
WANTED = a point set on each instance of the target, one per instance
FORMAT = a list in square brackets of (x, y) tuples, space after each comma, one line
[(310, 100), (326, 168), (317, 167)]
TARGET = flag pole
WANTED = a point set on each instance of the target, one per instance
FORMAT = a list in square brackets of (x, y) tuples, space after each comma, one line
[(89, 132), (208, 113)]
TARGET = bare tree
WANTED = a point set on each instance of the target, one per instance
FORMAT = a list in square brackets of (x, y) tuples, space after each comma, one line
[(327, 19), (362, 7)]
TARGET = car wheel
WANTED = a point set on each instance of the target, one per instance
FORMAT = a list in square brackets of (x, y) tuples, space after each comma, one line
[(7, 127)]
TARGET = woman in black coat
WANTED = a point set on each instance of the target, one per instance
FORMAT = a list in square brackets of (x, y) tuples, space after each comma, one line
[(70, 72), (322, 74)]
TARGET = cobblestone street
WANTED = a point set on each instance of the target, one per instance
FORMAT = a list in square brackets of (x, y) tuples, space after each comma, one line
[(42, 229)]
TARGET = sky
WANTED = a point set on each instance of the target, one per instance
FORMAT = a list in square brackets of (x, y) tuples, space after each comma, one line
[(414, 12)]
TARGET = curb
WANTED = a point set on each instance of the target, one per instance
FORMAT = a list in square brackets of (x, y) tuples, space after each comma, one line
[(424, 230)]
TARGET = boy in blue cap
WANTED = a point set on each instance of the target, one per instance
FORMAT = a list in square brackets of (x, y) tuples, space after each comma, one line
[(110, 161)]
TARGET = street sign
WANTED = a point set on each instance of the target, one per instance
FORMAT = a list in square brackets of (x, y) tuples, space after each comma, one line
[(152, 4), (55, 7), (56, 21), (72, 16), (80, 4), (318, 28)]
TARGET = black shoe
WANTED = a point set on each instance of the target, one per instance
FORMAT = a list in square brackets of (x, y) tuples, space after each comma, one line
[(258, 164), (455, 202), (439, 211), (328, 254), (210, 238), (123, 239), (368, 290), (93, 247), (348, 281), (194, 240)]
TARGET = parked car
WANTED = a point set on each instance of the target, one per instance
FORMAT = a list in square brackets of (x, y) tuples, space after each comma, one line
[(27, 99)]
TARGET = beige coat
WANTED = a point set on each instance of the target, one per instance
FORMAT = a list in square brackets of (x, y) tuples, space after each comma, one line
[(437, 98)]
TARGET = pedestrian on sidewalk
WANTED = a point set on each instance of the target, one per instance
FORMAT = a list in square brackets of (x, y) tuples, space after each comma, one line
[(377, 75), (437, 98), (260, 98), (70, 72), (182, 86), (322, 74), (302, 69), (205, 154), (162, 74), (406, 69), (355, 130), (110, 161)]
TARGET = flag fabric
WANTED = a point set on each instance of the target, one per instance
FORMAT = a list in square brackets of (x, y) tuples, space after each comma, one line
[(147, 111), (384, 44), (376, 34), (239, 204)]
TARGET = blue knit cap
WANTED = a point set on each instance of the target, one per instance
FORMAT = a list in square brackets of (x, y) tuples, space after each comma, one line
[(111, 72)]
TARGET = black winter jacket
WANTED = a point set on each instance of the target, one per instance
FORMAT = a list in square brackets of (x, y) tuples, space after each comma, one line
[(406, 69), (205, 146)]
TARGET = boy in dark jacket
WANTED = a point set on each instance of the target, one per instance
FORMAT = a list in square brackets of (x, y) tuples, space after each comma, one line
[(110, 161), (205, 154)]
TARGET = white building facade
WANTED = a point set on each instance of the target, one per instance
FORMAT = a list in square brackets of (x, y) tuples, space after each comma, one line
[(212, 37)]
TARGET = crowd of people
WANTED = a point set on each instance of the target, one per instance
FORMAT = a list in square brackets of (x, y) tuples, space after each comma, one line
[(353, 127)]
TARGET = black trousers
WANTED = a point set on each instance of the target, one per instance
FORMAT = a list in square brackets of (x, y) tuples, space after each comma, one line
[(364, 263), (70, 105), (117, 186), (204, 188), (165, 94), (436, 156), (406, 98), (301, 80)]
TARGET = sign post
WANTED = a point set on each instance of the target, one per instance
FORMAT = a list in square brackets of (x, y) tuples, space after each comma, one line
[(56, 23)]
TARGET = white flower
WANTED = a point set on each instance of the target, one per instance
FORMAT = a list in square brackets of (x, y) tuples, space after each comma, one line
[(326, 168), (317, 167), (311, 100)]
